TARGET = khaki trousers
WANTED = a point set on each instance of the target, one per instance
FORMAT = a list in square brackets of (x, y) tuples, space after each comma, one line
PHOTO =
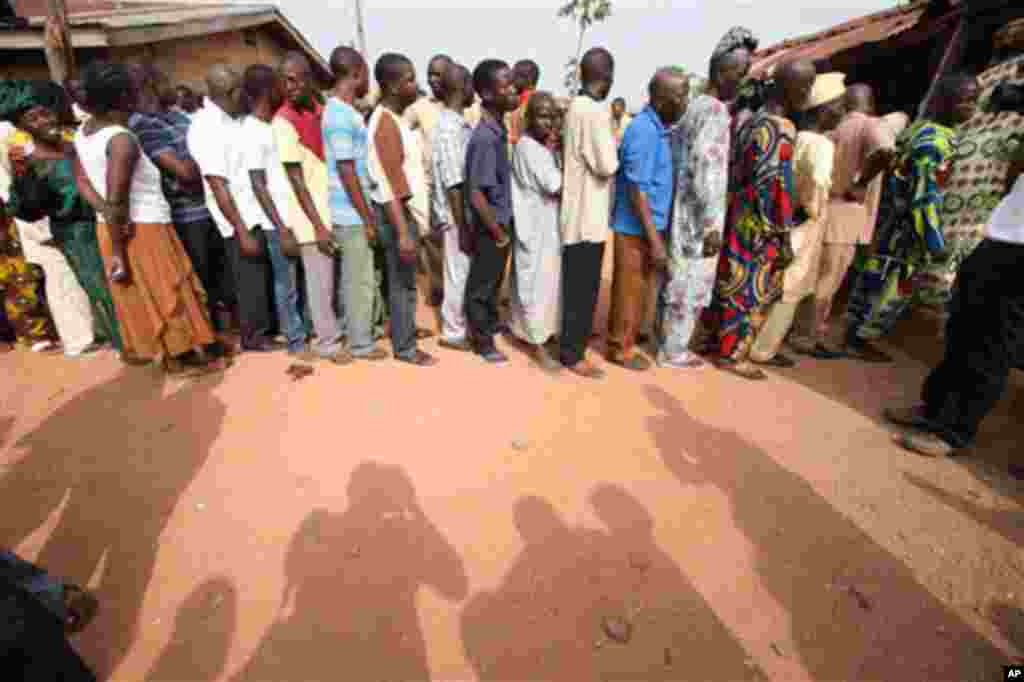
[(632, 284)]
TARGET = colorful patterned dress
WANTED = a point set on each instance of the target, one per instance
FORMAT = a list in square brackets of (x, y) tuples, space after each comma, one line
[(47, 189), (756, 251), (909, 232), (700, 145), (977, 182), (21, 283)]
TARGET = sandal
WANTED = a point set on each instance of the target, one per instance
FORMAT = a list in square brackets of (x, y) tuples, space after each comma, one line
[(340, 358), (418, 359), (820, 352), (867, 352), (926, 444), (778, 360), (587, 370), (742, 370), (374, 355), (424, 334), (636, 363), (913, 417)]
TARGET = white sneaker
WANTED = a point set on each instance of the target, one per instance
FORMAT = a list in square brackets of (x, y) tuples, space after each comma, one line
[(44, 346)]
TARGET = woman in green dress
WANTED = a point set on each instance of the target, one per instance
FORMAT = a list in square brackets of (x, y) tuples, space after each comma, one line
[(44, 186)]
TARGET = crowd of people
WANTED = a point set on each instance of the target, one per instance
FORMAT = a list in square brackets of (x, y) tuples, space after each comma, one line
[(140, 218), (157, 223)]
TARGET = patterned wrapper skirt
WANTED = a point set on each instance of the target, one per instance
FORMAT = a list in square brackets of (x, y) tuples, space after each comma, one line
[(21, 283), (162, 307)]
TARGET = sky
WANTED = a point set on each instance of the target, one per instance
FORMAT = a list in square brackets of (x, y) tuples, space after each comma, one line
[(641, 35)]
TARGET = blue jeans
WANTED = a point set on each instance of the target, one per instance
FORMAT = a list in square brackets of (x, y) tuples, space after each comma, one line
[(286, 293), (401, 286)]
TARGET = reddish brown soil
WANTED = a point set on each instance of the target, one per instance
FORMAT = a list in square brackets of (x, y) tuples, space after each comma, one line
[(467, 522)]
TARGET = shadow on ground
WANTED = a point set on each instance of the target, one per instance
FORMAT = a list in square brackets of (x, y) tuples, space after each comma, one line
[(203, 631), (1007, 522), (856, 611), (574, 595), (349, 606), (100, 461)]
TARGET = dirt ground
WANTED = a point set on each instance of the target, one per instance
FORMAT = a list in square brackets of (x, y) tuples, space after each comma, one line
[(466, 522)]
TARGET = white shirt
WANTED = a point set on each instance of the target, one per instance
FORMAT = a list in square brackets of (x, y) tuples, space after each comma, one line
[(412, 167), (215, 145), (591, 161), (146, 200), (260, 153), (1007, 221)]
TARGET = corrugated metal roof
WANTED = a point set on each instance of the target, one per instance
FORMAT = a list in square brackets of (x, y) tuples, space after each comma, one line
[(138, 15), (868, 29)]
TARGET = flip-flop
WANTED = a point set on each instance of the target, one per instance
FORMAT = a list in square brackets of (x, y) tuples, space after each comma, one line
[(419, 359), (925, 444), (748, 373), (778, 360)]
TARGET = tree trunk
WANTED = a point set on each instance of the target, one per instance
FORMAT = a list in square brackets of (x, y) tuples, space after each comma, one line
[(60, 56)]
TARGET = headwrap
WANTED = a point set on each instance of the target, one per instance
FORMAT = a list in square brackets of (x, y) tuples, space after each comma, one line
[(17, 96), (735, 38)]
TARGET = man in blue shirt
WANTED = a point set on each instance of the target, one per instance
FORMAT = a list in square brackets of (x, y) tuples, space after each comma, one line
[(643, 199), (346, 144)]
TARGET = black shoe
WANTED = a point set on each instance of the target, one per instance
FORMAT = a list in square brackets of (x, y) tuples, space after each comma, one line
[(263, 345)]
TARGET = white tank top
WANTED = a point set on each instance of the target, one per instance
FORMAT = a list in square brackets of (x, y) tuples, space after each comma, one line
[(147, 203)]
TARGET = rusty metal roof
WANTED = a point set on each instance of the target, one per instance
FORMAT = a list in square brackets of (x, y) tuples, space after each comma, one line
[(129, 22), (868, 29)]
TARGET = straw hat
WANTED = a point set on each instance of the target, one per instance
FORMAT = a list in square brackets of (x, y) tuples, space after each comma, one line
[(1010, 36), (827, 87)]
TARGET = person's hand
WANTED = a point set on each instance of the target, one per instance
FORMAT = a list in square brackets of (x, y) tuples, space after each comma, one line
[(127, 231), (18, 156), (712, 242), (371, 231), (289, 243), (249, 245), (325, 243), (857, 193), (407, 250), (467, 241), (437, 234), (659, 255), (501, 238)]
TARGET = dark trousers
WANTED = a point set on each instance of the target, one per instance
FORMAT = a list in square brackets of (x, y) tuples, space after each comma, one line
[(205, 248), (254, 282), (32, 641), (482, 286), (984, 340), (581, 284)]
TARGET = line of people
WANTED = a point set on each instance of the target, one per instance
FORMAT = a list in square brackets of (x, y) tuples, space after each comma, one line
[(727, 211)]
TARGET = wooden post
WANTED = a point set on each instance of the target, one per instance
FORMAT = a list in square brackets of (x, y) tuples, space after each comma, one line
[(360, 30), (60, 55)]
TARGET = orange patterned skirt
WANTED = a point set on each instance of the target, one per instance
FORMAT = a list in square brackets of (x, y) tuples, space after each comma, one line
[(162, 307)]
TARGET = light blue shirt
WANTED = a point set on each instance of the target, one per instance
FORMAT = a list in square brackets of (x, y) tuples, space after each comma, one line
[(645, 162), (345, 139)]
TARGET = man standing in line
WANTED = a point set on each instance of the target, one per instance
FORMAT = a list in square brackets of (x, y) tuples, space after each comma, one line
[(215, 142), (591, 161), (162, 130), (395, 166), (865, 147), (300, 143), (643, 201), (355, 224), (422, 117), (489, 194), (620, 119), (451, 137), (527, 76)]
